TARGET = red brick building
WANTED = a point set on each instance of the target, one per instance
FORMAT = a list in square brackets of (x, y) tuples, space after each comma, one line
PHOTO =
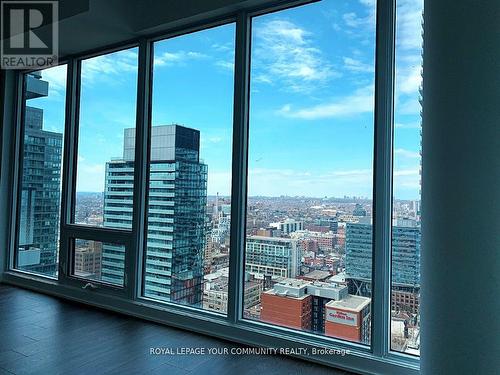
[(292, 312), (349, 319)]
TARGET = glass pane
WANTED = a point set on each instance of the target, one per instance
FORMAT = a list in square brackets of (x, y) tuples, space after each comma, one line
[(189, 203), (40, 203), (405, 317), (309, 207), (99, 261), (105, 170)]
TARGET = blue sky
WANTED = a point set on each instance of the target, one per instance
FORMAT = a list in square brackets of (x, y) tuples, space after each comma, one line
[(311, 101)]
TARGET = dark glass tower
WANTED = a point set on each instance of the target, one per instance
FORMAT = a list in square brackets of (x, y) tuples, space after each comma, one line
[(40, 188), (405, 257), (176, 212)]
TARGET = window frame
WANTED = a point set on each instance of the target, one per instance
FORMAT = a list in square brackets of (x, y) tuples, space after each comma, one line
[(378, 357), (69, 229)]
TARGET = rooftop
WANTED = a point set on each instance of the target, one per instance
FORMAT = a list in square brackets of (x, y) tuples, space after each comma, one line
[(338, 278), (317, 275), (274, 239), (275, 293), (352, 303)]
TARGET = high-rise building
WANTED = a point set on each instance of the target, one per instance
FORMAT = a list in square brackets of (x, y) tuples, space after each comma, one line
[(273, 256), (406, 255), (405, 259), (359, 210), (176, 214), (40, 188), (358, 260), (332, 223)]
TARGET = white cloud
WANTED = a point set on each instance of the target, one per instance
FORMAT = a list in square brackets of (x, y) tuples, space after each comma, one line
[(407, 172), (180, 58), (406, 181), (415, 125), (177, 58), (357, 66), (115, 63), (262, 78), (409, 24), (211, 140), (285, 53), (409, 79), (53, 127), (401, 152), (352, 173), (353, 20), (361, 101), (229, 65), (409, 107), (271, 182), (408, 56), (56, 77), (226, 47)]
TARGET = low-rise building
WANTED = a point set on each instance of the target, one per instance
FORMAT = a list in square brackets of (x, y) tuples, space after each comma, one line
[(272, 256), (349, 318), (215, 293), (300, 304), (288, 226)]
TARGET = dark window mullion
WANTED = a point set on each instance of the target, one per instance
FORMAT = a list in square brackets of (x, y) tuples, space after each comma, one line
[(134, 257), (69, 160), (382, 193), (239, 166)]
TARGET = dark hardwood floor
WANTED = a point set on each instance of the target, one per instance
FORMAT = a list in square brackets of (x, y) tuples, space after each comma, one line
[(44, 335)]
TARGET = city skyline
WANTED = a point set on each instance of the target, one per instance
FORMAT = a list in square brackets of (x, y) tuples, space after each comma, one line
[(188, 245)]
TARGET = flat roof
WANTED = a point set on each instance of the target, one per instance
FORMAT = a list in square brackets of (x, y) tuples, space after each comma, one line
[(293, 282), (317, 274), (338, 278), (273, 293), (220, 255), (352, 303), (275, 239)]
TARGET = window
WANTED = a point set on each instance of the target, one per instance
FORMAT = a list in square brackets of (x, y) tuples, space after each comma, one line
[(299, 246), (95, 260), (309, 208), (106, 140), (39, 200), (189, 204), (405, 316)]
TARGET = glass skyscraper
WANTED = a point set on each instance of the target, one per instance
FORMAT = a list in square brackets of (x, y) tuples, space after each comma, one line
[(176, 214), (405, 257), (40, 188)]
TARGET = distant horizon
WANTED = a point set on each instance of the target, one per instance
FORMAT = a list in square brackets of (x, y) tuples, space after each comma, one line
[(281, 196)]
